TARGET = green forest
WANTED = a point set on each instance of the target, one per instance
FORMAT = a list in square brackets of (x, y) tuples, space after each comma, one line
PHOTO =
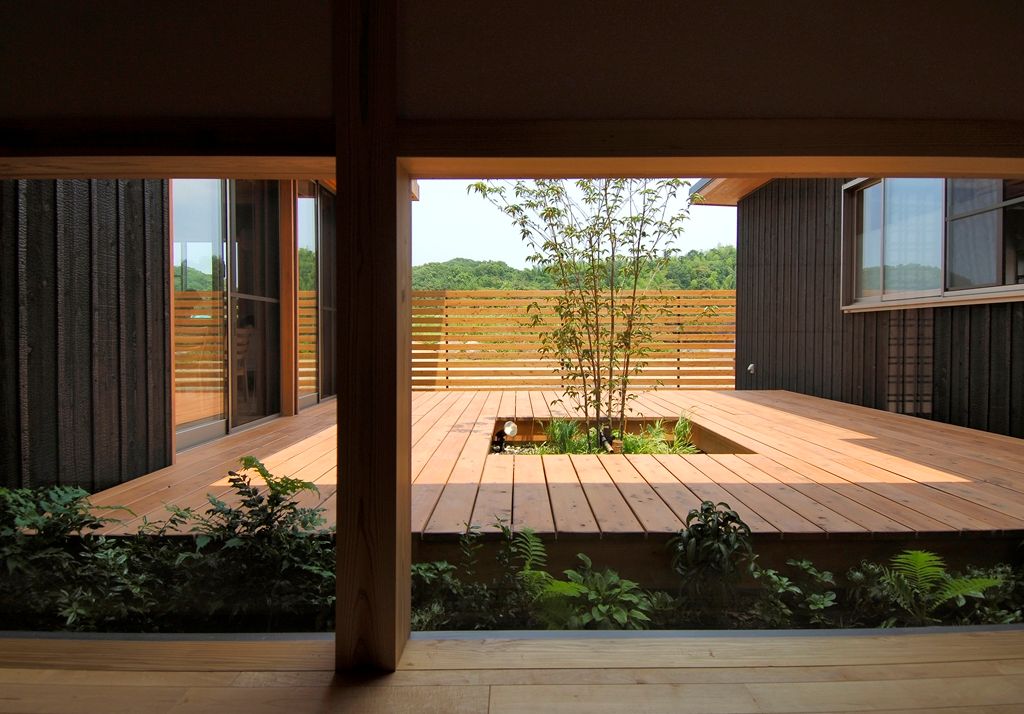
[(713, 269)]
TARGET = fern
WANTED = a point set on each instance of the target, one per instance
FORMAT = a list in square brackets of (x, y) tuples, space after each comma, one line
[(922, 569), (529, 548), (919, 584), (959, 588)]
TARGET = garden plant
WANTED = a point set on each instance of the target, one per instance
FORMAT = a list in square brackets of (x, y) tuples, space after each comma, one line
[(258, 560), (602, 242)]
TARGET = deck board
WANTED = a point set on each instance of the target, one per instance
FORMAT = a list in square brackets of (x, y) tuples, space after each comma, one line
[(949, 671), (817, 468)]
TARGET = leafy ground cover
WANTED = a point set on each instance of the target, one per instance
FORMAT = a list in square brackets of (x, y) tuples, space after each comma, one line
[(566, 436), (259, 561)]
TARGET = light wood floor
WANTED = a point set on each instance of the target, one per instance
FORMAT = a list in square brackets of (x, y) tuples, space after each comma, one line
[(816, 468), (906, 672)]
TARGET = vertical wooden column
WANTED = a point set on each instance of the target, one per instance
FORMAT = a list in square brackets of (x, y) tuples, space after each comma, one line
[(172, 426), (374, 397), (288, 252)]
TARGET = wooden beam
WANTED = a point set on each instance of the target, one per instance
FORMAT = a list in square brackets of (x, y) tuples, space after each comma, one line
[(743, 139), (373, 272), (762, 166), (151, 166), (289, 297)]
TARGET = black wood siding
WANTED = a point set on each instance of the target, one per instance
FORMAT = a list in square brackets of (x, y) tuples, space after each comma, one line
[(963, 365), (84, 339)]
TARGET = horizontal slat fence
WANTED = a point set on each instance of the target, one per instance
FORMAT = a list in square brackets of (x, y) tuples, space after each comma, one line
[(307, 341), (199, 347), (476, 339)]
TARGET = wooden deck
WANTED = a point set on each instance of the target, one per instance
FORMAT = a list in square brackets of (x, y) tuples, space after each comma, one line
[(952, 671), (815, 469)]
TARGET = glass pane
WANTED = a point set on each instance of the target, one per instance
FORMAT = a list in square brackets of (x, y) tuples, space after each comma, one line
[(306, 219), (966, 195), (972, 251), (328, 292), (913, 236), (1013, 188), (256, 360), (1013, 239), (255, 225), (199, 324), (869, 241)]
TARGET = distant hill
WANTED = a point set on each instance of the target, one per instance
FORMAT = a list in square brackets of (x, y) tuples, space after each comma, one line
[(713, 269), (466, 274)]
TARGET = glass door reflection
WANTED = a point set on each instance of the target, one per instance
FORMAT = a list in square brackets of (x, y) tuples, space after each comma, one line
[(254, 302), (200, 330), (308, 301)]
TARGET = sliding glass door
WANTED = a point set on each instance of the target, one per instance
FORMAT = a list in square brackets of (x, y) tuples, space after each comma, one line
[(306, 234), (254, 301), (328, 255), (199, 325), (226, 323), (316, 295)]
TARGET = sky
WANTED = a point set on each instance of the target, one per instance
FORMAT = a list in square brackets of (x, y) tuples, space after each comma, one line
[(448, 223)]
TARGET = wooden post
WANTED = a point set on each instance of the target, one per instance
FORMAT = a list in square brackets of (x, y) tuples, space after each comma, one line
[(374, 540), (172, 436), (289, 299)]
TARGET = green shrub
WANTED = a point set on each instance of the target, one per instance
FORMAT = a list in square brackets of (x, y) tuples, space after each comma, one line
[(708, 552), (682, 433), (805, 599), (255, 561), (918, 584), (261, 560), (1001, 604), (594, 600), (564, 437), (59, 574)]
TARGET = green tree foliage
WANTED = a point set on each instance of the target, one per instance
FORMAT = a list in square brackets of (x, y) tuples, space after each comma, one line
[(466, 274), (601, 241), (712, 269), (307, 269)]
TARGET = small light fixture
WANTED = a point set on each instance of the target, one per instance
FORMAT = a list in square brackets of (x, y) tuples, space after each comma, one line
[(508, 429), (751, 368)]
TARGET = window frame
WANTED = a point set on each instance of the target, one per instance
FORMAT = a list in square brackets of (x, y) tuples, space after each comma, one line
[(848, 300)]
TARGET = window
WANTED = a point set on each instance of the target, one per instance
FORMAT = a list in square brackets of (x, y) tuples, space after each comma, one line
[(909, 241)]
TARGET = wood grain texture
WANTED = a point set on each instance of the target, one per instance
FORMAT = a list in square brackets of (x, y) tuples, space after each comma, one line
[(806, 467), (84, 353), (374, 269), (954, 671), (289, 305), (481, 339)]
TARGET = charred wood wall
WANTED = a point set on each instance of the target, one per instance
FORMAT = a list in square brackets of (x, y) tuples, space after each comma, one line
[(84, 341), (962, 365)]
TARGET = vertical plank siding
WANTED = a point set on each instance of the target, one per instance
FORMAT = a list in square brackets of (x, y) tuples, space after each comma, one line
[(962, 365), (84, 379)]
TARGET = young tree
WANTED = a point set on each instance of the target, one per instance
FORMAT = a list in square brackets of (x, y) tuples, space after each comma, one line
[(603, 242)]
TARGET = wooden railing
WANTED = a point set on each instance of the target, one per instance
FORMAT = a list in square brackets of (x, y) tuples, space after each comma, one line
[(483, 339)]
